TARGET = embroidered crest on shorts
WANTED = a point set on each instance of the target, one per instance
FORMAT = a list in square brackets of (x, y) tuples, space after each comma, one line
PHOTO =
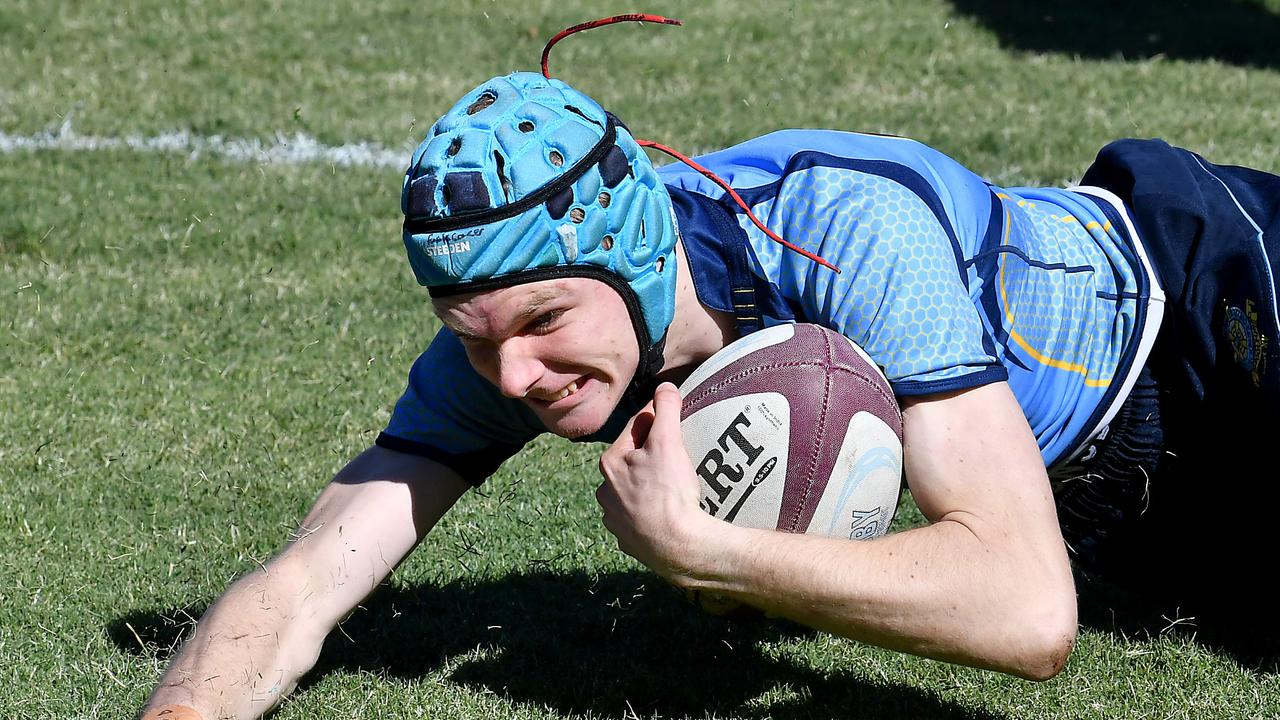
[(1247, 343)]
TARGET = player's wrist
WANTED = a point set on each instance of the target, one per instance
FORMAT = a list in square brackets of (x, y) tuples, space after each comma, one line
[(171, 712), (705, 552)]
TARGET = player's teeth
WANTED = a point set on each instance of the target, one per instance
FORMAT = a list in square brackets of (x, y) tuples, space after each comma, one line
[(563, 392)]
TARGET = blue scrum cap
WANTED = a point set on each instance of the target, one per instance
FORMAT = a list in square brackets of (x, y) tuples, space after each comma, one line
[(527, 179)]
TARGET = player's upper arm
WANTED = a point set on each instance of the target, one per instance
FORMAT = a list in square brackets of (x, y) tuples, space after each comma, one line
[(364, 523), (970, 458), (971, 452)]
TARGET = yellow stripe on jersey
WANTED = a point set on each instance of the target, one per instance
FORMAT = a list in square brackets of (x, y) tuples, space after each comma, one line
[(1022, 343)]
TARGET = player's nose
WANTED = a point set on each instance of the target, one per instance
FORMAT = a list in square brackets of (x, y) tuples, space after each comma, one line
[(518, 368)]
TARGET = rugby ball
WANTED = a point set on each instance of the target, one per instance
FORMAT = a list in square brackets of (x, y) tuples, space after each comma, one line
[(794, 428)]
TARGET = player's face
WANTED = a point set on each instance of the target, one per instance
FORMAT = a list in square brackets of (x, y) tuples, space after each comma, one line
[(565, 347)]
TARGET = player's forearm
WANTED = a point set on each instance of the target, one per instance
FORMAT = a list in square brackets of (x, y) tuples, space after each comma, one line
[(940, 591), (266, 631), (247, 653)]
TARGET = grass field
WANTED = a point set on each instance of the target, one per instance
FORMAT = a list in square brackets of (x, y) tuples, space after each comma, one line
[(192, 345)]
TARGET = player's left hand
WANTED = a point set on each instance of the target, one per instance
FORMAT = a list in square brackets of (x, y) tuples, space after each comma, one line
[(650, 492)]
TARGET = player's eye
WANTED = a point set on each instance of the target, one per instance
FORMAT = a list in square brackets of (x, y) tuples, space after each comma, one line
[(544, 322)]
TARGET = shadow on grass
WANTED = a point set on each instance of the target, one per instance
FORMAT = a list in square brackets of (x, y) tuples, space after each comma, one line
[(1242, 32), (1199, 563), (610, 645), (1229, 616)]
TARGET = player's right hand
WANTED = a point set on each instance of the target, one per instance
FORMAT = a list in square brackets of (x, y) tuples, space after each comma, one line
[(650, 492)]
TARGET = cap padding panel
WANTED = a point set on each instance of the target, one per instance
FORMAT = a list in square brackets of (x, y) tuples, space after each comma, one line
[(422, 196), (614, 166), (466, 191)]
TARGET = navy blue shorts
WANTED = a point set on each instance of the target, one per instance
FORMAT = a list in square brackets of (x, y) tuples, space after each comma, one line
[(1213, 234), (1203, 426)]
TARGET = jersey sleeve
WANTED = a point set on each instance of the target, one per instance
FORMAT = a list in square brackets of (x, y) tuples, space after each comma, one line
[(450, 414)]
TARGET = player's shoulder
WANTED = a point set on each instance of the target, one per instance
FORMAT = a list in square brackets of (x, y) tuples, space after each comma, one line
[(838, 143), (773, 157), (773, 149)]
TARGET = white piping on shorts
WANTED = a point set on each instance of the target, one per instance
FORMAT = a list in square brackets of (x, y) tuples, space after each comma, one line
[(1146, 337), (1262, 246)]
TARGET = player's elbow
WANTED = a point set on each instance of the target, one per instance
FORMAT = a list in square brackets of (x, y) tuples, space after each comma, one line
[(1049, 657), (1047, 635)]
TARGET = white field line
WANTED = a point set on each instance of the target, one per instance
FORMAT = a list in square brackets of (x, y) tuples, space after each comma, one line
[(296, 149)]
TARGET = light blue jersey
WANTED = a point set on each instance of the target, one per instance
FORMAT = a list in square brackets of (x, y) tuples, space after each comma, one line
[(946, 281)]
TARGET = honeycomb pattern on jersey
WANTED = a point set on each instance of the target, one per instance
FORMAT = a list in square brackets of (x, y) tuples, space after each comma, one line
[(900, 294)]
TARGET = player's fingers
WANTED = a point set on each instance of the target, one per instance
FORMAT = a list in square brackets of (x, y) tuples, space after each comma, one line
[(640, 426), (613, 460), (626, 441), (666, 414), (605, 495)]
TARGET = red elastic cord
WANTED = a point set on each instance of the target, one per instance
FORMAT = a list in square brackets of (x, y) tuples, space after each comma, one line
[(736, 198), (630, 17), (644, 17)]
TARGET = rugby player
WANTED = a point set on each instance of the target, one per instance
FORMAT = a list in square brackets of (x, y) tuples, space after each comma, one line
[(1084, 332)]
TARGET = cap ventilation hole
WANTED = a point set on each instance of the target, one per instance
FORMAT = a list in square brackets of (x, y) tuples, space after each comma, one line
[(607, 242), (577, 215), (485, 100), (454, 147), (502, 175), (556, 158), (604, 199), (659, 264), (525, 126)]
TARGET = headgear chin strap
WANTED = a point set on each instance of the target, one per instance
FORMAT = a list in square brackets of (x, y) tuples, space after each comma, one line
[(526, 179)]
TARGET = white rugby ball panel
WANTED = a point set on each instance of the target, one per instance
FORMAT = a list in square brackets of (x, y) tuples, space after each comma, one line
[(746, 345), (738, 468)]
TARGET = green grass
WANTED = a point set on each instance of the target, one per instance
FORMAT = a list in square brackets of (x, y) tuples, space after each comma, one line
[(192, 347)]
